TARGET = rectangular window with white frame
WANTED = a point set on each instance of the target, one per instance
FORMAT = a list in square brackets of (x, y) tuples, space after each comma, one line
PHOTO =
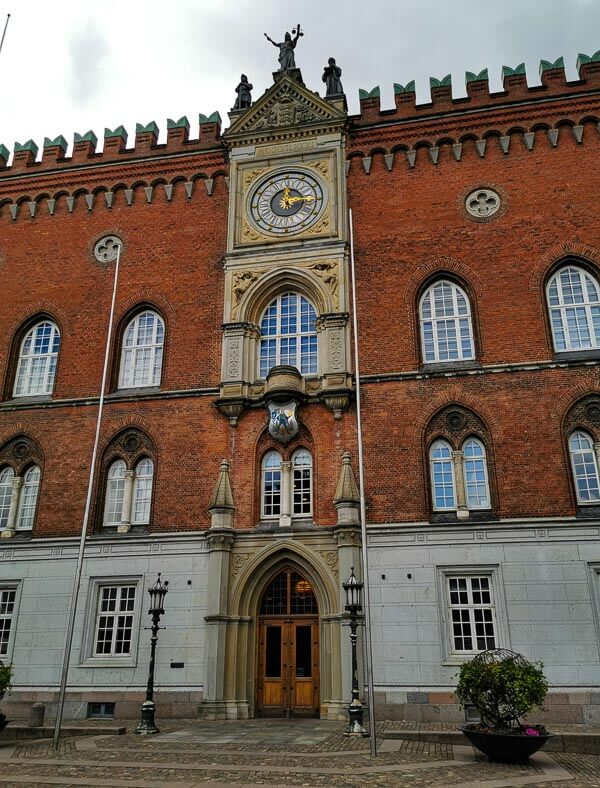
[(8, 618), (471, 613), (115, 618)]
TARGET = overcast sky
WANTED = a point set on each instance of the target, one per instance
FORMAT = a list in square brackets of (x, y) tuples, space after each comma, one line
[(73, 66)]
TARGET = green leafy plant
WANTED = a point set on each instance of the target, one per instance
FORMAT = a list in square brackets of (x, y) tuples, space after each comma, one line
[(502, 686), (5, 677)]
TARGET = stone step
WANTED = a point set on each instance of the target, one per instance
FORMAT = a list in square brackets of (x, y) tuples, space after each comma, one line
[(15, 730)]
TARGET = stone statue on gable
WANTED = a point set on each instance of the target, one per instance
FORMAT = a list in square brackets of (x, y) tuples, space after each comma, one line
[(286, 49), (331, 78), (244, 96)]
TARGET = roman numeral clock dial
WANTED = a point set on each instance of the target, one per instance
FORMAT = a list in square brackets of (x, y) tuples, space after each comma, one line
[(286, 203)]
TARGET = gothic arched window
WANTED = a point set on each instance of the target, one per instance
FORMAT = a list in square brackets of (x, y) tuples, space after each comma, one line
[(142, 351), (38, 356), (302, 483), (584, 463), (288, 335), (574, 305), (446, 325), (128, 493), (271, 485), (443, 482)]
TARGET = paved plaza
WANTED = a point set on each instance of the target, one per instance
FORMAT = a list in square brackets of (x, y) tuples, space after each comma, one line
[(273, 752)]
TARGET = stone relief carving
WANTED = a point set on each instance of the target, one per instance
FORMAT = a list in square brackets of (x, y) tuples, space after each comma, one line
[(252, 175), (321, 227), (237, 562), (19, 451), (241, 282), (233, 360), (287, 109), (336, 351), (321, 167), (330, 557), (327, 271)]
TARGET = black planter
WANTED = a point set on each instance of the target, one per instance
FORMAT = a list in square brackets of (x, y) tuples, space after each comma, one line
[(505, 747)]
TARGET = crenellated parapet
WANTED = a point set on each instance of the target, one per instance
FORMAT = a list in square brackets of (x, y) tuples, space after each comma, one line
[(115, 145), (515, 88)]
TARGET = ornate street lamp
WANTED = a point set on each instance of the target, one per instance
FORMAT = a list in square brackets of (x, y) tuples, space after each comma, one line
[(353, 589), (157, 597)]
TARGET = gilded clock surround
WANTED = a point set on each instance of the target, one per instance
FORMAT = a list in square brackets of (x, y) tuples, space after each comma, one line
[(272, 247)]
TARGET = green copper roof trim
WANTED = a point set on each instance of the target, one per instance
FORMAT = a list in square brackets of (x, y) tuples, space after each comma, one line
[(89, 136), (546, 65), (507, 71), (58, 142), (26, 146), (182, 123), (369, 94), (214, 118), (408, 88), (471, 76), (4, 152), (446, 82), (152, 127), (581, 59), (118, 132)]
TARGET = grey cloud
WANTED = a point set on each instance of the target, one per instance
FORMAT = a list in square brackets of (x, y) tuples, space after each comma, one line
[(87, 51)]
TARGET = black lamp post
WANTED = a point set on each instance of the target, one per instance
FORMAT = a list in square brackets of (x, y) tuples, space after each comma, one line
[(157, 597), (353, 589)]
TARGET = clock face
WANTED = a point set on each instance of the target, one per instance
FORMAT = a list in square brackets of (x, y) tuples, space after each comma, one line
[(287, 203)]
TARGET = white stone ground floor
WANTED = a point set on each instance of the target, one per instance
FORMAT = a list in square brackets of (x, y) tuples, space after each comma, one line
[(438, 594)]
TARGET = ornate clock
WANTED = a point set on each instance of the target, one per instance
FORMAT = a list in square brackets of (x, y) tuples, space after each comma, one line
[(287, 202)]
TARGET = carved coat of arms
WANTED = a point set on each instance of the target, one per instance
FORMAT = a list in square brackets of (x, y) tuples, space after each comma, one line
[(283, 425)]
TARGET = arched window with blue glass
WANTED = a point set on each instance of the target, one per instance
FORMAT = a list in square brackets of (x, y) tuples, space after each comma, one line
[(584, 464), (446, 323), (573, 296), (288, 335)]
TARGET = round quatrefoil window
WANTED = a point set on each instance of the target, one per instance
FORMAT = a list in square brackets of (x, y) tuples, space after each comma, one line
[(482, 203), (106, 249)]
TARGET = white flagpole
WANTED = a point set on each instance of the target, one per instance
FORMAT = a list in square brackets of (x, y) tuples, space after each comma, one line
[(4, 33), (363, 515), (86, 515)]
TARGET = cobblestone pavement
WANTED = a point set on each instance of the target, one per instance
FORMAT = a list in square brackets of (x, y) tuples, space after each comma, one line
[(274, 753)]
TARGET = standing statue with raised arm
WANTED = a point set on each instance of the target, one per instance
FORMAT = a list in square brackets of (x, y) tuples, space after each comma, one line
[(286, 49)]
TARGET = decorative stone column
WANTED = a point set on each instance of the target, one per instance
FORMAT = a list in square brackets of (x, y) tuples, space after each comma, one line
[(597, 451), (285, 518), (462, 511), (10, 528), (125, 524), (220, 540)]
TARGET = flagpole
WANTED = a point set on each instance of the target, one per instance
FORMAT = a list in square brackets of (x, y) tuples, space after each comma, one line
[(363, 515), (86, 515), (4, 33)]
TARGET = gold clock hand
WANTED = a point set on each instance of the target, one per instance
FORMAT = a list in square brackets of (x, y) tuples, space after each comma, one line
[(292, 200)]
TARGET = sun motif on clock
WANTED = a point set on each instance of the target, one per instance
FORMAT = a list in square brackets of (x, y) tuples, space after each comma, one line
[(286, 202)]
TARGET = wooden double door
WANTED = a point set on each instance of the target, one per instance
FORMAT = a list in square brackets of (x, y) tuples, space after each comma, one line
[(288, 667), (288, 648)]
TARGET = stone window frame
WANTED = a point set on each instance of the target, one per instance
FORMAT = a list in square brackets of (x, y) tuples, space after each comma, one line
[(278, 337), (587, 267), (131, 445), (455, 424), (131, 479), (118, 349), (16, 345), (583, 415), (502, 634), (241, 337), (475, 335), (21, 454), (302, 442), (88, 657), (17, 587)]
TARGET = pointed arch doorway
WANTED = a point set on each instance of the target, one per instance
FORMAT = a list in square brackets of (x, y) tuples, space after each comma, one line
[(288, 648)]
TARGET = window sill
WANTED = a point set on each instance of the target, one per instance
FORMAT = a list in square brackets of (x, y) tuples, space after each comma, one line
[(450, 366), (107, 661), (577, 355), (475, 516), (32, 399), (132, 392), (590, 511)]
